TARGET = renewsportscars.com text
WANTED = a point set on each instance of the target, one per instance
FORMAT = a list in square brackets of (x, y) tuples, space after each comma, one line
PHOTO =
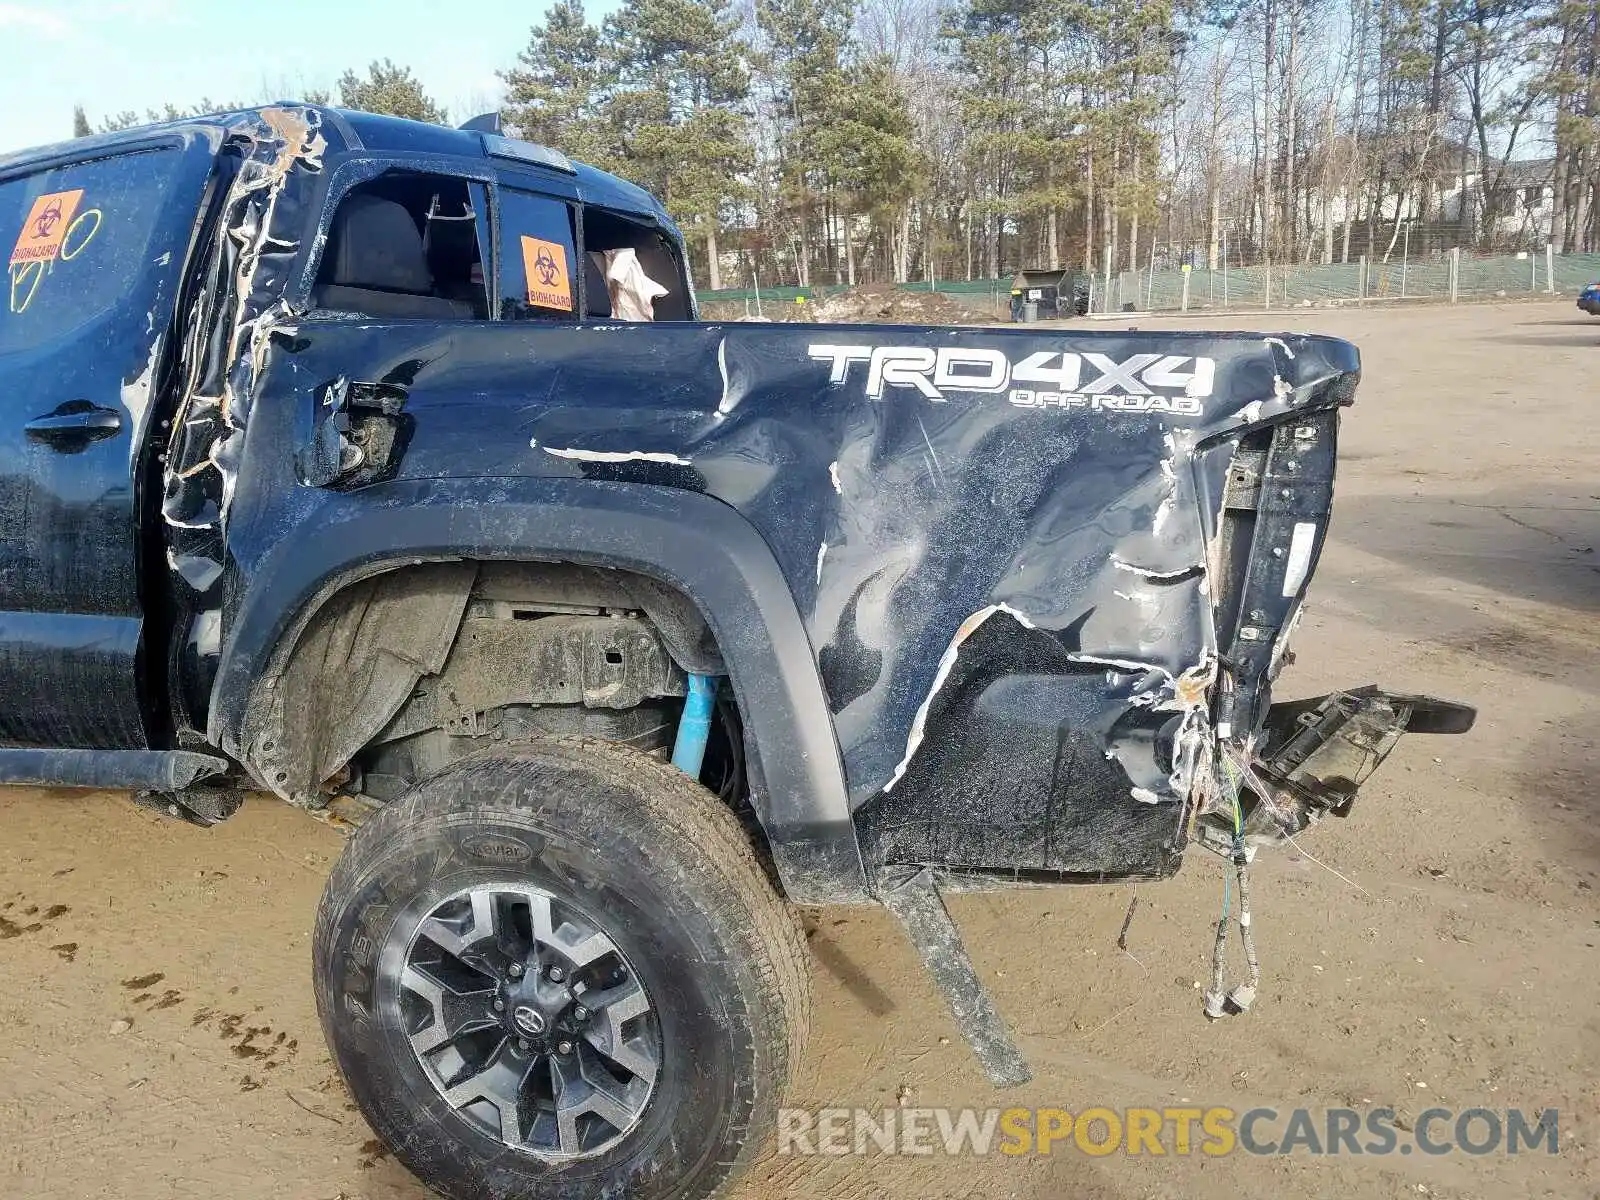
[(1175, 1130)]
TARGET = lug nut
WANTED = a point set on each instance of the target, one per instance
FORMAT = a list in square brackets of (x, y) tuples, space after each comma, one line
[(557, 974), (580, 1013), (564, 1048), (499, 1005), (516, 970), (522, 1043)]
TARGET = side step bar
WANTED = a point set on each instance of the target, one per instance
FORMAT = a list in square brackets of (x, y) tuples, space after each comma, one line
[(152, 770)]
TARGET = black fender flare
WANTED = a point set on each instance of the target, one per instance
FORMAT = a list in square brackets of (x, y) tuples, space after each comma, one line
[(686, 540)]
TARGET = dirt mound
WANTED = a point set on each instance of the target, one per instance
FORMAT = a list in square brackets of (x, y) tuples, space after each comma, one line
[(877, 303), (898, 306)]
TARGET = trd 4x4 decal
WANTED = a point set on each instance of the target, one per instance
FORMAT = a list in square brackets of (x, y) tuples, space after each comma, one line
[(1167, 383)]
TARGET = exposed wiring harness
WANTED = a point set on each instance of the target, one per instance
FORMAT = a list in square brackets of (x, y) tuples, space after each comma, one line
[(1219, 1000), (730, 758)]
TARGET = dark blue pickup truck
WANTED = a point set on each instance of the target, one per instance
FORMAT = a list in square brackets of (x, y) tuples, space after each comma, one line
[(328, 469)]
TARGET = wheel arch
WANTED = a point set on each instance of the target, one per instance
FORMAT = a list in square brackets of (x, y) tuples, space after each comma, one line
[(684, 541)]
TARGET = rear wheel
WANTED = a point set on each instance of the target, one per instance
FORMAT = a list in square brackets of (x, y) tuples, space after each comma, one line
[(559, 972)]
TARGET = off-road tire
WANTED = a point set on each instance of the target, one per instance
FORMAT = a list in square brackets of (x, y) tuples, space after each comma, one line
[(668, 872)]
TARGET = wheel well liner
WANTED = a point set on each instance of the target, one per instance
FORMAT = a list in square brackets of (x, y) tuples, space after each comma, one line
[(691, 543)]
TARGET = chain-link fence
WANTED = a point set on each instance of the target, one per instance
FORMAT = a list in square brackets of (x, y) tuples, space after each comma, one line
[(1454, 275), (1449, 276)]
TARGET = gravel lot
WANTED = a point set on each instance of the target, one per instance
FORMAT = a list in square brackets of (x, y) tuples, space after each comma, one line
[(157, 1033)]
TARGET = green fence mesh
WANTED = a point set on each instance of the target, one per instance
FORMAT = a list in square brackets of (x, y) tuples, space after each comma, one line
[(1474, 277)]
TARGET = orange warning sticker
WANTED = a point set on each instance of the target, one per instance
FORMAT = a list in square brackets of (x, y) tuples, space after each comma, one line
[(46, 227), (545, 264)]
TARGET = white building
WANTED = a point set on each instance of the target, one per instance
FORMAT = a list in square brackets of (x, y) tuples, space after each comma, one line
[(1453, 207)]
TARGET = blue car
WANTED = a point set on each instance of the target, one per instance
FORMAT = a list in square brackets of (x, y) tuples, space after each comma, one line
[(1589, 299)]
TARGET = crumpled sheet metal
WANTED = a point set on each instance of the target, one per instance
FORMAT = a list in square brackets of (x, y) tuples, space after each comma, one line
[(1092, 530), (262, 218), (1089, 526), (1079, 537), (909, 526)]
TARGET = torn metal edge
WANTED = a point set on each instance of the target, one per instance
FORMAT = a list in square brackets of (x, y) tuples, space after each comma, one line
[(616, 456), (947, 662)]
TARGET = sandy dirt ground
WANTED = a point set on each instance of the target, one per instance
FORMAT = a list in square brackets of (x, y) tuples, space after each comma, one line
[(157, 1033)]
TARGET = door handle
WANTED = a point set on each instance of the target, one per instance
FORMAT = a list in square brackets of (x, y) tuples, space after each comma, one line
[(76, 421)]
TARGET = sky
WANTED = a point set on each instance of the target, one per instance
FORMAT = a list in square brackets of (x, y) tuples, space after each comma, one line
[(113, 55)]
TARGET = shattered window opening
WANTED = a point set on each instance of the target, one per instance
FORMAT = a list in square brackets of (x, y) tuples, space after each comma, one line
[(604, 232), (406, 245)]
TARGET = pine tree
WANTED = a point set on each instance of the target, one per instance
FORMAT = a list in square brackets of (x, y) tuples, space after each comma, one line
[(560, 91), (1571, 74), (167, 112), (389, 89), (80, 122), (996, 42), (678, 108), (801, 61), (866, 146)]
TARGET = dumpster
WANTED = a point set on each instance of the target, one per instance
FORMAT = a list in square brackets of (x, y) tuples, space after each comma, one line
[(1045, 295)]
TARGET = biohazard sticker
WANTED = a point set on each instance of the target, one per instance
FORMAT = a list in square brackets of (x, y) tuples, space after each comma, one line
[(545, 264), (46, 227)]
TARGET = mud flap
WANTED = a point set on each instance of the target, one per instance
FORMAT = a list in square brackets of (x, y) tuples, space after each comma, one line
[(920, 909), (1315, 754)]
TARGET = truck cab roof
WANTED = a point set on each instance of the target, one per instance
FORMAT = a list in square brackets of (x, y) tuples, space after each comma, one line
[(351, 131)]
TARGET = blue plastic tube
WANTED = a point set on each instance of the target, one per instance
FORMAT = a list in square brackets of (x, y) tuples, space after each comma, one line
[(694, 728)]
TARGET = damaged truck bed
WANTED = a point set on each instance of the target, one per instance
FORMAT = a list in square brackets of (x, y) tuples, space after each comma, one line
[(333, 473)]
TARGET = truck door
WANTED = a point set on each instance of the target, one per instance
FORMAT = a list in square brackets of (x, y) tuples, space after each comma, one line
[(94, 247)]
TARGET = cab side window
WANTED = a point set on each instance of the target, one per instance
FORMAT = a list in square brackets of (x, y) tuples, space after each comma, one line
[(406, 245), (537, 258)]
